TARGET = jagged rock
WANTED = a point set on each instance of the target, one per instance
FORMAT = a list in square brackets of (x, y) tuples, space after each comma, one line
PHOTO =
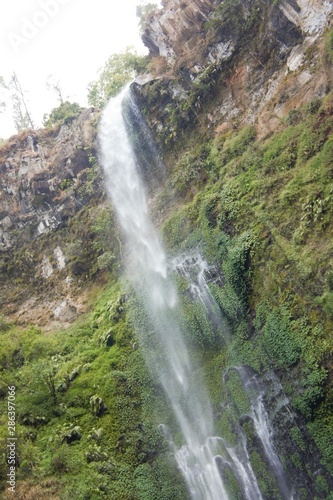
[(175, 32), (74, 373), (244, 79), (95, 456), (66, 311), (33, 168), (97, 434)]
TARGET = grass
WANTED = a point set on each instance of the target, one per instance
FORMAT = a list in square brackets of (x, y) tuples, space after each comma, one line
[(119, 444)]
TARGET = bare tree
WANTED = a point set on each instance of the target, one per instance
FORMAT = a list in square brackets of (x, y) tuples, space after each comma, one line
[(22, 116), (54, 85)]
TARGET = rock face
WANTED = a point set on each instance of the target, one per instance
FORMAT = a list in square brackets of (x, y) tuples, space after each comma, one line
[(47, 177), (237, 63), (173, 32), (178, 32), (36, 170)]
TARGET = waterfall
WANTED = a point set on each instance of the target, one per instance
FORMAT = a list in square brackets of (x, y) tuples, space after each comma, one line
[(203, 458), (198, 274)]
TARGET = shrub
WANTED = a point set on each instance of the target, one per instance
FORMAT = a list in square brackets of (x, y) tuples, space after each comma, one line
[(65, 113), (281, 344)]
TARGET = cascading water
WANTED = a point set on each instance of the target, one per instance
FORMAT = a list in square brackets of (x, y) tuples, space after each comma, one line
[(203, 459), (198, 273), (147, 268)]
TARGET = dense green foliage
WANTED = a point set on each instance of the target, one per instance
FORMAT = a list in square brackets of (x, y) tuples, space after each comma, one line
[(86, 409), (117, 71), (64, 113), (260, 209)]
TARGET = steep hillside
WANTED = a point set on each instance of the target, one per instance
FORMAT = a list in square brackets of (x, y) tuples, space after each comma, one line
[(52, 236), (239, 100)]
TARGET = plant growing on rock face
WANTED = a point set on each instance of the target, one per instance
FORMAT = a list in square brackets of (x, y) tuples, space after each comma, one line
[(105, 261), (97, 405), (227, 17), (69, 433), (66, 184), (47, 371), (328, 52)]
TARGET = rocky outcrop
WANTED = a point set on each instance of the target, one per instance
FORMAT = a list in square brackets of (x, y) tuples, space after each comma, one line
[(235, 63), (47, 178), (175, 32), (179, 32), (37, 168)]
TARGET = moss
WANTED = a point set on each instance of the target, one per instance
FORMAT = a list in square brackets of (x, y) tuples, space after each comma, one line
[(281, 344), (224, 426), (232, 485), (237, 393), (264, 209), (261, 211), (265, 479)]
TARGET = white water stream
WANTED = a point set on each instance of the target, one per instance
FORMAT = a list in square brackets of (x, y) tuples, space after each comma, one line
[(203, 458)]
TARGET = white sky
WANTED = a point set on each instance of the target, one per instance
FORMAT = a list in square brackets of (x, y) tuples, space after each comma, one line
[(70, 39)]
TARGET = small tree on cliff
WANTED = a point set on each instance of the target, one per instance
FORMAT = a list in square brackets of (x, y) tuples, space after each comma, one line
[(118, 70), (13, 93), (64, 113)]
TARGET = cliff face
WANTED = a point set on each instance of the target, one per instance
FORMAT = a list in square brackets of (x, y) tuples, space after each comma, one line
[(246, 61), (245, 122), (179, 34), (176, 32), (49, 181), (36, 168)]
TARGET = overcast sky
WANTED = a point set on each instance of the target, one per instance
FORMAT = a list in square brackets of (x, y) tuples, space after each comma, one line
[(70, 39)]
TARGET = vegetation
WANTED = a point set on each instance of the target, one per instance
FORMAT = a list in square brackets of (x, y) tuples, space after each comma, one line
[(260, 211), (118, 70), (87, 406), (64, 113), (143, 11), (14, 92), (84, 409), (260, 214), (328, 50)]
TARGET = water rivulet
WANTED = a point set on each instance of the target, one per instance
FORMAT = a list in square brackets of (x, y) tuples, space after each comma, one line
[(209, 463)]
